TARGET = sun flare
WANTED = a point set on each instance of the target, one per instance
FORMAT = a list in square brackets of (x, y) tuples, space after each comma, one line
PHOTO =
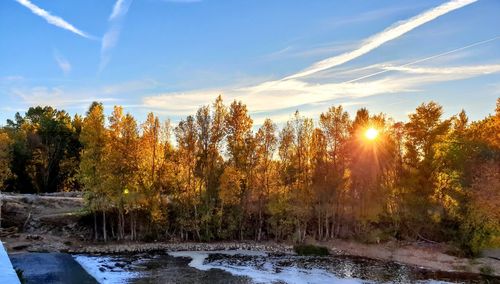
[(371, 133)]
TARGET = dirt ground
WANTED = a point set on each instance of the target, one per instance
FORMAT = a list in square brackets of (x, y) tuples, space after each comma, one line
[(425, 255)]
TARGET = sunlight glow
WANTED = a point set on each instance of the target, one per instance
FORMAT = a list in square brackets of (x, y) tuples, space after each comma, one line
[(371, 133)]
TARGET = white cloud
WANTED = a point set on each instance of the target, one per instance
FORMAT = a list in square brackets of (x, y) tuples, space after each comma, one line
[(54, 96), (52, 19), (379, 39), (63, 64), (110, 38)]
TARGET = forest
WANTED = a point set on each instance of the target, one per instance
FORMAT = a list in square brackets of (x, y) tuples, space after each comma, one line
[(216, 176)]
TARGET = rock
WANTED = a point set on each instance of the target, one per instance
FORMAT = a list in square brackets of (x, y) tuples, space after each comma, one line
[(21, 247), (34, 237)]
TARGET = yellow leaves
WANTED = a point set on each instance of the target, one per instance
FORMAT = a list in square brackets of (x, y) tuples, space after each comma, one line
[(230, 186)]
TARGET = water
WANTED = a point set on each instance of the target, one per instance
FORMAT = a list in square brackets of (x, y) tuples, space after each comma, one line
[(257, 267)]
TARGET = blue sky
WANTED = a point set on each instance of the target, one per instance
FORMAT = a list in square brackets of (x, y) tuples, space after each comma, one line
[(172, 56)]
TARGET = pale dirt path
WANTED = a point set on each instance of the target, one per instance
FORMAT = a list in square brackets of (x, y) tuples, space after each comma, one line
[(431, 256)]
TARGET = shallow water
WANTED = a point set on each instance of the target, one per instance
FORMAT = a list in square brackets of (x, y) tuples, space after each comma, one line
[(257, 267)]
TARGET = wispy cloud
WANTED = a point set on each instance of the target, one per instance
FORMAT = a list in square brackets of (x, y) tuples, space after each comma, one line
[(456, 71), (272, 96), (55, 97), (310, 51), (52, 19), (295, 91), (426, 58), (119, 9), (12, 78), (110, 38), (379, 39), (62, 62)]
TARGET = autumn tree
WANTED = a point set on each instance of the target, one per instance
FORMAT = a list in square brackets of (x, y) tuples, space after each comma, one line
[(266, 143), (93, 165), (122, 161), (240, 150), (331, 160), (189, 191)]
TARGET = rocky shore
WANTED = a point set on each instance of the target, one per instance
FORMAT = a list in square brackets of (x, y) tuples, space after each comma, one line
[(122, 248)]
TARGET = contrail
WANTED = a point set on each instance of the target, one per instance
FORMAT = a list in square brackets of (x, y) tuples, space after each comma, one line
[(51, 19), (379, 39), (110, 38), (426, 59)]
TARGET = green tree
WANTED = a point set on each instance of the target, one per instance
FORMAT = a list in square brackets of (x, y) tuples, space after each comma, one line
[(5, 160), (424, 131)]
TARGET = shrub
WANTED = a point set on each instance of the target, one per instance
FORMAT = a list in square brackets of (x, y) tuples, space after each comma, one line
[(486, 270), (311, 250)]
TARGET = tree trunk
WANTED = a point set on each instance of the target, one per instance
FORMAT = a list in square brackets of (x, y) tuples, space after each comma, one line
[(259, 234), (131, 226), (104, 225), (95, 226), (327, 233), (319, 226)]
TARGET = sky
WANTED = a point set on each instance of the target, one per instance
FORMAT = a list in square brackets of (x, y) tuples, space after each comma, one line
[(277, 56)]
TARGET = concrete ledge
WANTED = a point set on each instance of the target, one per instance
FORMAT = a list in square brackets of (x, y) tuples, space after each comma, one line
[(7, 273)]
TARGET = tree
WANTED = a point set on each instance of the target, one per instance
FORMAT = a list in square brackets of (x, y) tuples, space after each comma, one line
[(5, 160), (240, 148), (151, 152), (231, 193), (295, 151), (481, 227), (424, 131), (44, 143), (266, 143), (92, 163), (335, 126), (189, 195), (122, 159)]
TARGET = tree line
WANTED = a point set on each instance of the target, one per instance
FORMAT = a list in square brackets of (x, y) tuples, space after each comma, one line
[(213, 176)]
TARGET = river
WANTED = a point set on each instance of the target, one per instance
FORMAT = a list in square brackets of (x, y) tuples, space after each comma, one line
[(212, 267)]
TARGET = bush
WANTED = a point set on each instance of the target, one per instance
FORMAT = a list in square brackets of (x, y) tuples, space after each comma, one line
[(486, 270), (311, 250)]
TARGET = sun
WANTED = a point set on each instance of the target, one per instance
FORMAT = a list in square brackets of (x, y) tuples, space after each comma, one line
[(371, 133)]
